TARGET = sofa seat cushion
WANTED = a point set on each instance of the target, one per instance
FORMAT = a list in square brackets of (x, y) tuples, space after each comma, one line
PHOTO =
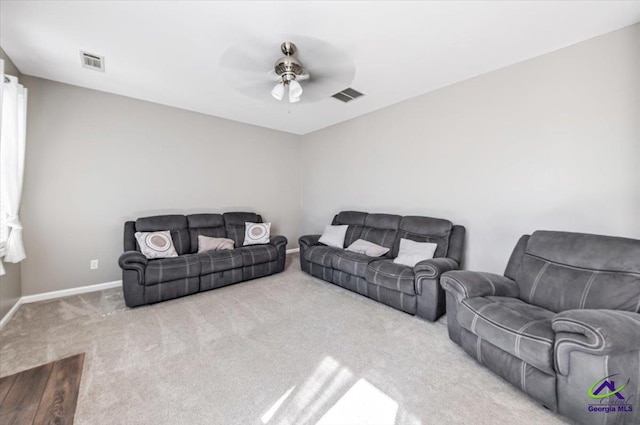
[(390, 275), (258, 254), (320, 254), (168, 269), (351, 262), (522, 330), (219, 261)]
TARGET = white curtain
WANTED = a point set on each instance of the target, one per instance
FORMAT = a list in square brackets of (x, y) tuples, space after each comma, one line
[(13, 124)]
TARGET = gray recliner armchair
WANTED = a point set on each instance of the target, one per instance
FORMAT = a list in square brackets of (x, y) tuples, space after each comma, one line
[(562, 324)]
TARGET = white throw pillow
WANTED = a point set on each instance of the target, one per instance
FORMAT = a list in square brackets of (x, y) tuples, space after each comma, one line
[(411, 252), (367, 248), (207, 243), (334, 235), (256, 233), (156, 244)]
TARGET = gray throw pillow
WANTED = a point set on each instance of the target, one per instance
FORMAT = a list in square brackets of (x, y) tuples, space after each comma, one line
[(367, 248), (207, 243), (334, 235), (156, 244), (411, 252)]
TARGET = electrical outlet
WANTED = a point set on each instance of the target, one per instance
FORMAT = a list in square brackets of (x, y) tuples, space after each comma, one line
[(93, 265)]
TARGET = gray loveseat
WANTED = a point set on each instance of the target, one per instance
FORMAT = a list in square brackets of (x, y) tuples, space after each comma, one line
[(562, 324), (414, 290), (147, 281)]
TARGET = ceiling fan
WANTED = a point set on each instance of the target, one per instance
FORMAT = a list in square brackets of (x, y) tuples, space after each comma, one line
[(248, 67), (288, 71)]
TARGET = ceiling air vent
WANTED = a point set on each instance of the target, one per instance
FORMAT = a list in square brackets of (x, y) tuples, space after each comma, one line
[(347, 95), (90, 61)]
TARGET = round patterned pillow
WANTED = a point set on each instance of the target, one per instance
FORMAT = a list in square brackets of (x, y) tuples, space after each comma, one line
[(156, 244), (256, 233)]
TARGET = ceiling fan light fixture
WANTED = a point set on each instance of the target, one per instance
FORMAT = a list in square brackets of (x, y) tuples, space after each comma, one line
[(293, 99), (295, 89), (278, 91)]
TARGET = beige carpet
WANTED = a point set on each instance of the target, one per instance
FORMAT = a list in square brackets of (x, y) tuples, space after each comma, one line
[(286, 349)]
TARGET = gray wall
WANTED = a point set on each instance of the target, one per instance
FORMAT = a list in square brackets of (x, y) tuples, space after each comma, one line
[(549, 143), (96, 159), (10, 289)]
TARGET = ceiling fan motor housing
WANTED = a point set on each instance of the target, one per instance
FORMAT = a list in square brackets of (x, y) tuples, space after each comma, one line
[(287, 66)]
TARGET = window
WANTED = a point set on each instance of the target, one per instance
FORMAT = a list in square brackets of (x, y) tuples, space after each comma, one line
[(13, 120)]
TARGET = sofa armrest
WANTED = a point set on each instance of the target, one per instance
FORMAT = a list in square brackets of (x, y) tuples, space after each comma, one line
[(309, 240), (465, 284), (596, 332), (133, 260), (278, 241), (432, 269)]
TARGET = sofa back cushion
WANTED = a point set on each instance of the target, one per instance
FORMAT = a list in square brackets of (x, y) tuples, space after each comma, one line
[(424, 229), (355, 220), (381, 229), (563, 271), (176, 224), (211, 225), (234, 225)]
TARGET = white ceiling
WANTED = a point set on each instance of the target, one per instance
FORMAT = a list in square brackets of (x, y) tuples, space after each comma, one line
[(169, 52)]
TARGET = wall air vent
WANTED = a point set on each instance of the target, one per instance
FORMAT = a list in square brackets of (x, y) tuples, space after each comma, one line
[(91, 61), (347, 95)]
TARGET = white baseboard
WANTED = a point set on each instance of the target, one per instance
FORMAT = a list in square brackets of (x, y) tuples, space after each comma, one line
[(293, 251), (10, 313), (57, 294), (71, 291)]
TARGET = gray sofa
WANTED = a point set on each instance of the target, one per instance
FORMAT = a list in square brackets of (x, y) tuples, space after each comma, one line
[(147, 281), (414, 290), (562, 322)]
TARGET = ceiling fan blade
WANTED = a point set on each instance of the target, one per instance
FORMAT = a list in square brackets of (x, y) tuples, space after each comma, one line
[(303, 76), (273, 76), (251, 55)]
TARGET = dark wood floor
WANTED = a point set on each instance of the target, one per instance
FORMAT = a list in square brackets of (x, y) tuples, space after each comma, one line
[(46, 394)]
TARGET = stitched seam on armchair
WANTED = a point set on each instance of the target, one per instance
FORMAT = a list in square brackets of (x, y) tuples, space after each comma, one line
[(582, 268), (464, 289), (587, 287), (521, 332), (598, 346), (536, 281), (624, 315), (418, 284), (493, 286), (475, 319), (497, 325)]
